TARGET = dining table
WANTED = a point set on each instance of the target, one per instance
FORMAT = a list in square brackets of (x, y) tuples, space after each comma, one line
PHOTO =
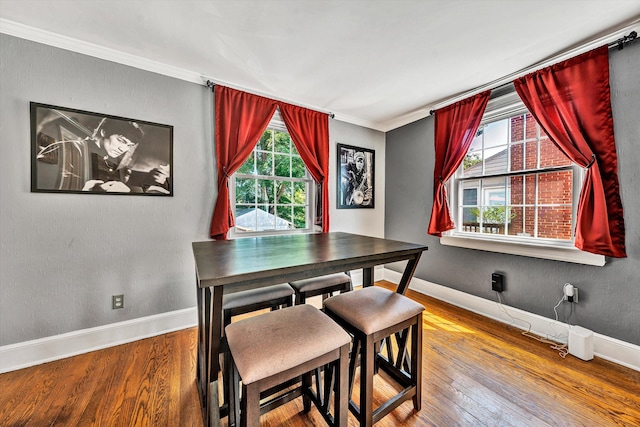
[(228, 266)]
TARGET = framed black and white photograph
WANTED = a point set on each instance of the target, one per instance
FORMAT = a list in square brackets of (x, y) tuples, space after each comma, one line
[(75, 151), (355, 177)]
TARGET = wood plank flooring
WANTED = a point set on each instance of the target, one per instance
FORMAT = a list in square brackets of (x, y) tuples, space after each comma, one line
[(476, 372)]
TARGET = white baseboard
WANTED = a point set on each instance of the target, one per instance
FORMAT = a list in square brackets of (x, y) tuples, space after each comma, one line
[(612, 349), (31, 353)]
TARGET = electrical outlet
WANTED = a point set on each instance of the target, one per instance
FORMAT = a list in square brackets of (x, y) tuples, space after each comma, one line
[(570, 293), (574, 298), (497, 282), (117, 301)]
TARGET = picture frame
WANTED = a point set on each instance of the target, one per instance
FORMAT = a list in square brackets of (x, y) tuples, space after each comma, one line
[(356, 177), (75, 151)]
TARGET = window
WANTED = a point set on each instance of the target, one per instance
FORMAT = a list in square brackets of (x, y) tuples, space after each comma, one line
[(515, 187), (273, 191)]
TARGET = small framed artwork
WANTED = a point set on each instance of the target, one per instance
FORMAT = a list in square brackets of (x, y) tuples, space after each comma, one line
[(75, 151), (356, 179)]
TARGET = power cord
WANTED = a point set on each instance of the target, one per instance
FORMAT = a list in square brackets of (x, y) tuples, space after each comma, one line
[(562, 349)]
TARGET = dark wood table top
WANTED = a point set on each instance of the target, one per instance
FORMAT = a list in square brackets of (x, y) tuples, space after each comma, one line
[(253, 262)]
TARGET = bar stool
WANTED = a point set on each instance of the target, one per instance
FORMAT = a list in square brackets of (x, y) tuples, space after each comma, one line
[(275, 347), (273, 297), (243, 302), (322, 285), (371, 315)]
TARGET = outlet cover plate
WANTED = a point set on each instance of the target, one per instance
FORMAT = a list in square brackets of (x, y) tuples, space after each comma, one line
[(117, 301)]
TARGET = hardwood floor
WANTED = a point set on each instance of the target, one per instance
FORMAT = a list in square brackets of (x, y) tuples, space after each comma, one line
[(477, 372)]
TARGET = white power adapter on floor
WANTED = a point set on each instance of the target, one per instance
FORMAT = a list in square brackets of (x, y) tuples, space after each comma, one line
[(581, 342)]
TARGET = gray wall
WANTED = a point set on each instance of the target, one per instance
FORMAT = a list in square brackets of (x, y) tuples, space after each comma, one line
[(62, 256), (609, 296)]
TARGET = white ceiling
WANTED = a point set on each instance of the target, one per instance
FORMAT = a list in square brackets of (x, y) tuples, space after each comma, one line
[(377, 63)]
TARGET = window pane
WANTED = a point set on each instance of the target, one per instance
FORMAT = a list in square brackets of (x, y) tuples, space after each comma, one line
[(495, 135), (298, 169), (266, 218), (472, 164), (300, 193), (282, 166), (521, 221), (282, 142), (517, 156), (286, 214), (530, 189), (300, 216), (283, 218), (248, 167), (264, 163), (517, 129), (516, 189), (471, 220), (265, 191), (497, 162), (494, 192), (470, 196), (550, 155), (284, 193), (245, 190), (554, 222), (476, 144), (531, 155), (246, 218), (555, 188), (531, 127), (266, 141)]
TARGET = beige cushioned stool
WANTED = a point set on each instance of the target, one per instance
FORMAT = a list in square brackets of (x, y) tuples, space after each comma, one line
[(256, 299), (269, 297), (373, 314), (272, 348), (322, 285)]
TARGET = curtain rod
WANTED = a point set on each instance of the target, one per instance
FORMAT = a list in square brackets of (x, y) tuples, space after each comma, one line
[(211, 85), (618, 43)]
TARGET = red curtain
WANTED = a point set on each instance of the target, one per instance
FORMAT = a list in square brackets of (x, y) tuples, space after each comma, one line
[(310, 133), (241, 119), (571, 101), (455, 128)]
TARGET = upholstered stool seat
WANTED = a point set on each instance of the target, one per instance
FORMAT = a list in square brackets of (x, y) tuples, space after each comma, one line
[(256, 299), (272, 348), (373, 314), (243, 302), (322, 285)]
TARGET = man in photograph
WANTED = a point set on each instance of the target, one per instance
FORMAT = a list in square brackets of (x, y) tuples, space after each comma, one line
[(357, 189)]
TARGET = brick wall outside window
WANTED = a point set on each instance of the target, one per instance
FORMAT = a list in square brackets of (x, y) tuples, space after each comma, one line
[(553, 187)]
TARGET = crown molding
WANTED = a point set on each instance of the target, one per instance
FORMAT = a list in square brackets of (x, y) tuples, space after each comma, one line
[(74, 45), (90, 49)]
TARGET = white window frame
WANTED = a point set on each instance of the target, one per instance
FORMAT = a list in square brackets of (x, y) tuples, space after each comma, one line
[(276, 124), (505, 103)]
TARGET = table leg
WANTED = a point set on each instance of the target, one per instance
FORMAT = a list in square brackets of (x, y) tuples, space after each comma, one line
[(213, 351), (202, 368), (367, 277), (408, 274)]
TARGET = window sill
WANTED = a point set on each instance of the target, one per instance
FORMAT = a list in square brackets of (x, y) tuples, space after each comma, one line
[(568, 254)]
